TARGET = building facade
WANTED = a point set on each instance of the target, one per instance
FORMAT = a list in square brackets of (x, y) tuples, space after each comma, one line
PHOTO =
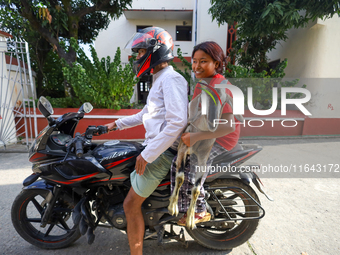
[(313, 55), (187, 21)]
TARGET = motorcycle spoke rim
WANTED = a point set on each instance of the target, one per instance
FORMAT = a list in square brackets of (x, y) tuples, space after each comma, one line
[(49, 230), (63, 226), (37, 205), (56, 230), (34, 220), (239, 209)]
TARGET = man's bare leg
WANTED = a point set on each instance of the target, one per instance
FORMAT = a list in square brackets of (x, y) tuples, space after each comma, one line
[(135, 221)]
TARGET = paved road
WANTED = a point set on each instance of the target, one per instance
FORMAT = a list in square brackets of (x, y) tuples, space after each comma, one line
[(303, 218)]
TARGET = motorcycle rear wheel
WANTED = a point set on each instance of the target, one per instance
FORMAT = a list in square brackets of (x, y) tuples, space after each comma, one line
[(27, 211), (232, 236)]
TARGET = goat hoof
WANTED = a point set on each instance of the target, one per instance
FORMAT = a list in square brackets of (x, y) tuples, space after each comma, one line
[(191, 221), (173, 209)]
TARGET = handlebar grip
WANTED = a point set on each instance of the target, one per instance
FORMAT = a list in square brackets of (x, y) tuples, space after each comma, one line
[(103, 129), (79, 148)]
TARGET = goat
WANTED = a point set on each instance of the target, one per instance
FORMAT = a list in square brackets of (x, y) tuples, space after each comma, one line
[(197, 121)]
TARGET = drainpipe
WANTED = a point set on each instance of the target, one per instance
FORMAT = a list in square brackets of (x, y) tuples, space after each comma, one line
[(195, 39), (195, 23)]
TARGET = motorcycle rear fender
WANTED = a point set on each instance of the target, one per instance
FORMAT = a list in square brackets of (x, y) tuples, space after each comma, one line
[(247, 177)]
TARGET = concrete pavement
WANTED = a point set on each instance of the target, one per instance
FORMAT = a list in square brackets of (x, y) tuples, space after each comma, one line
[(303, 218)]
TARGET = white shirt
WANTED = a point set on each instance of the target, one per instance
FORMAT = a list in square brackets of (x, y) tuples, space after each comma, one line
[(165, 114)]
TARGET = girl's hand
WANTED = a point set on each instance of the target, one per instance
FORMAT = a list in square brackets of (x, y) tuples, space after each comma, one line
[(189, 139)]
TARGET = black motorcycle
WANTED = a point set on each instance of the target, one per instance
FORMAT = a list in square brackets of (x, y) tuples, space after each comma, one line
[(78, 185)]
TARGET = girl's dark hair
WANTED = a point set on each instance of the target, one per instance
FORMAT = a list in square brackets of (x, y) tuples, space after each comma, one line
[(214, 51)]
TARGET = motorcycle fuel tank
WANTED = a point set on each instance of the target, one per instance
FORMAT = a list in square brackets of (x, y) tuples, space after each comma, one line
[(117, 155)]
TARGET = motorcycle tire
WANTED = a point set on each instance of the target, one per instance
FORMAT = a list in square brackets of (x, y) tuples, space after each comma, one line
[(229, 237), (27, 211)]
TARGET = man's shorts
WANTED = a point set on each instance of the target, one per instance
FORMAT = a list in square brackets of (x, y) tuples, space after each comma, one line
[(144, 185)]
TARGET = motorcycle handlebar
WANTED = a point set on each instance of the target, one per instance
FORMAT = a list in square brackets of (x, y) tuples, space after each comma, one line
[(95, 131), (79, 146), (101, 130)]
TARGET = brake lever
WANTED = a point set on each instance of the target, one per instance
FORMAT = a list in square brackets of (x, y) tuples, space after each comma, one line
[(101, 130)]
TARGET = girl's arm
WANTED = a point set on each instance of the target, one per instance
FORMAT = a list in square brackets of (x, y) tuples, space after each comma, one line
[(189, 139)]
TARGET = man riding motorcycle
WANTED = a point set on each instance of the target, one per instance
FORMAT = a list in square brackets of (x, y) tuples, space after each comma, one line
[(164, 117)]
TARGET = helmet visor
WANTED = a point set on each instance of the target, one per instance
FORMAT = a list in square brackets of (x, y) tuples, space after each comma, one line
[(139, 41)]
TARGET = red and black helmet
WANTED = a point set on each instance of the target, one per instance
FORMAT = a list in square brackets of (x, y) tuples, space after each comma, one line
[(158, 44)]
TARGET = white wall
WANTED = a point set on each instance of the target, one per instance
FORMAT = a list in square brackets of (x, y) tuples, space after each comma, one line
[(324, 102), (121, 30), (160, 4), (313, 53), (208, 30)]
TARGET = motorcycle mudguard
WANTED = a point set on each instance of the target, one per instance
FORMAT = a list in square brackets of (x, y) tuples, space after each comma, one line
[(247, 177), (41, 185)]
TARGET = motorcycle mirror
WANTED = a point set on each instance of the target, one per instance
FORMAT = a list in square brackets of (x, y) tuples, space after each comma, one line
[(86, 107), (45, 107)]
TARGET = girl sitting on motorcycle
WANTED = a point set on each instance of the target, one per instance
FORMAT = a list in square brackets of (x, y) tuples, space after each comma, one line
[(208, 64)]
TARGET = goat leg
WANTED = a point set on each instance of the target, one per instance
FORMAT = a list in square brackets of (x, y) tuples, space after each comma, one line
[(195, 192), (173, 205)]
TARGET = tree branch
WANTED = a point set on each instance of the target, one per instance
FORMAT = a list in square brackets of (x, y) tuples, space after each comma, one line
[(28, 14), (98, 7)]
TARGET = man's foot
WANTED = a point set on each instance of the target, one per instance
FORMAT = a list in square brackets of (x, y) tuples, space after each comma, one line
[(199, 217)]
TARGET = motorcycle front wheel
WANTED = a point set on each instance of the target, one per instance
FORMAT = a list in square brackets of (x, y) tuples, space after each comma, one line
[(27, 211), (239, 206)]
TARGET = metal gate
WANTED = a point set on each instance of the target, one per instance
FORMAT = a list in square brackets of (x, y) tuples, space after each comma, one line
[(18, 122)]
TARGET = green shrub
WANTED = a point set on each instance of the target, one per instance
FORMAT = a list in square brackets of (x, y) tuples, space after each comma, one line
[(187, 70), (103, 83), (64, 102)]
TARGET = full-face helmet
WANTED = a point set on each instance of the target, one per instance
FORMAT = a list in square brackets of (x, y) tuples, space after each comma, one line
[(158, 44)]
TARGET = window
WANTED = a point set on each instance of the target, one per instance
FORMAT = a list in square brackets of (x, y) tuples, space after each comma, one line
[(139, 28), (183, 33)]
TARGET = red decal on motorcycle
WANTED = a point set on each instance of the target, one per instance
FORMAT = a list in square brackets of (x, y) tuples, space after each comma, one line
[(41, 134), (164, 184), (146, 65), (21, 207), (110, 165), (105, 180), (211, 175), (37, 156), (76, 180)]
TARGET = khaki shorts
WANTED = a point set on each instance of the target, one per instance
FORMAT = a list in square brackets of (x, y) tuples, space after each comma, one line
[(154, 173)]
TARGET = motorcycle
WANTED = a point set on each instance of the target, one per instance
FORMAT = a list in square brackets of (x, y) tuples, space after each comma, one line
[(78, 185)]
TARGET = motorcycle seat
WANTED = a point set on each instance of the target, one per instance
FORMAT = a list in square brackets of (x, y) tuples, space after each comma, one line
[(221, 158)]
